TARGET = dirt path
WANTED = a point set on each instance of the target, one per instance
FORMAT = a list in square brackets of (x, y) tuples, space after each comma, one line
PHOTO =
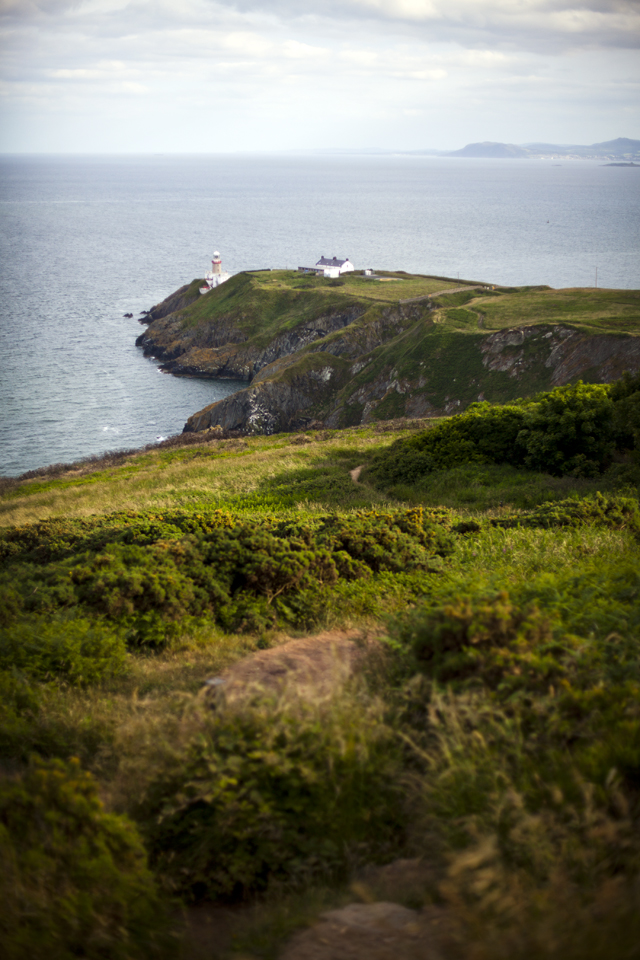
[(369, 931)]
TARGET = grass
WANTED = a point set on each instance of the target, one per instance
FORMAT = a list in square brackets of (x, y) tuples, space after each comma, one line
[(593, 311), (404, 286), (516, 778), (478, 488), (212, 475)]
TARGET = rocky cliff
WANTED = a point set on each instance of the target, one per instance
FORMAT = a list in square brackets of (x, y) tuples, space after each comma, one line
[(348, 352)]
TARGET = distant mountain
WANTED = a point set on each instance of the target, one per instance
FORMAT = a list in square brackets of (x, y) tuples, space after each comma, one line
[(621, 148), (490, 149)]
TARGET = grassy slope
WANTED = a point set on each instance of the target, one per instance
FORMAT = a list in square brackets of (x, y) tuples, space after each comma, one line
[(594, 311), (264, 304), (218, 474), (126, 730)]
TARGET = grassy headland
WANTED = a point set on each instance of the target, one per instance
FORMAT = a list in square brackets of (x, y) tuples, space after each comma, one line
[(352, 351)]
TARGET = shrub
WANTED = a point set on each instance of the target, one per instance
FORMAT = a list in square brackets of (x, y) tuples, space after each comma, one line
[(74, 880), (272, 791), (571, 430), (244, 575), (625, 395), (578, 630), (618, 513), (488, 639), (77, 651)]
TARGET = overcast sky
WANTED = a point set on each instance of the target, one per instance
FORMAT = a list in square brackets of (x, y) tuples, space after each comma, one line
[(205, 76)]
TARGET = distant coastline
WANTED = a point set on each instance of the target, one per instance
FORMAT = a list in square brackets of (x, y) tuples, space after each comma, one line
[(622, 150)]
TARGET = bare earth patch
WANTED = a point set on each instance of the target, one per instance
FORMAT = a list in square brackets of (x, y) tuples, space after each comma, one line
[(312, 666), (368, 931)]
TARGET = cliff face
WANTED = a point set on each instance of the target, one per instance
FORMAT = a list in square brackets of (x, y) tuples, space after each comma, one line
[(314, 352)]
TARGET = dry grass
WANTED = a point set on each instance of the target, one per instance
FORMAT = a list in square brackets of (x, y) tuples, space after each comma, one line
[(207, 475)]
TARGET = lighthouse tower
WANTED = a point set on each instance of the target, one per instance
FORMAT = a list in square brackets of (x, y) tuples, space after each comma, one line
[(216, 275)]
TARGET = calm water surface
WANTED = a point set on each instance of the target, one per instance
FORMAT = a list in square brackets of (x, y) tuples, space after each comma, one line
[(85, 240)]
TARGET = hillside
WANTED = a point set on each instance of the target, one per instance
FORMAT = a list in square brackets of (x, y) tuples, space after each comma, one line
[(355, 351), (622, 148), (369, 692)]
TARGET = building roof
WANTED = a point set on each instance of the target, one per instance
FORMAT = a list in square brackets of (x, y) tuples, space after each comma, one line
[(333, 262)]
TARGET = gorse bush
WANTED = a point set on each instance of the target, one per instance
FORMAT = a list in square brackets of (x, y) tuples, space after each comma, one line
[(78, 651), (73, 878), (275, 791), (618, 513), (575, 630), (626, 398), (244, 575), (572, 430)]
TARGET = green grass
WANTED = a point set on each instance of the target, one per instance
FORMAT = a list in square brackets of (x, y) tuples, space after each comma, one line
[(478, 488), (594, 311), (496, 729), (211, 475), (262, 305), (401, 286)]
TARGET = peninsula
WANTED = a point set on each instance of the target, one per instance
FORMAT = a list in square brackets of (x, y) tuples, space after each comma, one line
[(354, 350)]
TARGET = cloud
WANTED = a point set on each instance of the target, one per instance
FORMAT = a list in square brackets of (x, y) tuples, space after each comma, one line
[(415, 70), (27, 9), (523, 24)]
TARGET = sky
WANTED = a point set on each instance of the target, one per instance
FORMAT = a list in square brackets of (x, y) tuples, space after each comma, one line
[(201, 76)]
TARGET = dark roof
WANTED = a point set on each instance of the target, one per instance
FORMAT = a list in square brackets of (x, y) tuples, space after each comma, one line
[(333, 262)]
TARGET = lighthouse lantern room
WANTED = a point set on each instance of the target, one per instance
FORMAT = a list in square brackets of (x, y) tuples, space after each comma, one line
[(216, 275)]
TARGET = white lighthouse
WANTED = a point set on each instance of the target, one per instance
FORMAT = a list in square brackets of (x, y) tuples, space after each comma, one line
[(215, 276)]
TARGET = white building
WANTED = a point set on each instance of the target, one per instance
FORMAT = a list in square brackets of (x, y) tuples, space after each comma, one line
[(215, 276), (329, 267)]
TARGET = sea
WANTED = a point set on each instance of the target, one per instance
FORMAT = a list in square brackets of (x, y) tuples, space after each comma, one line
[(85, 240)]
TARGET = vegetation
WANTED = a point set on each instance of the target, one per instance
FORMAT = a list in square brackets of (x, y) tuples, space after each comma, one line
[(574, 430), (74, 879), (493, 730)]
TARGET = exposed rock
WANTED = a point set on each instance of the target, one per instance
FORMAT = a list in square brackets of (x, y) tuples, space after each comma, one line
[(606, 357), (275, 405), (312, 666), (224, 351), (367, 931), (567, 353)]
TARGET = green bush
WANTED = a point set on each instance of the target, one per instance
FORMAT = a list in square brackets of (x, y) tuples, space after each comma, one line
[(625, 395), (73, 879), (77, 651), (569, 431), (244, 575), (572, 430), (575, 631), (275, 792), (617, 513), (492, 640)]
